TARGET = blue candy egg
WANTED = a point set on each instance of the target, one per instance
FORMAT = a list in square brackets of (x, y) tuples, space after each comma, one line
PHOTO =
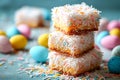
[(39, 53), (114, 65), (46, 14), (51, 27), (116, 51), (100, 36), (12, 32)]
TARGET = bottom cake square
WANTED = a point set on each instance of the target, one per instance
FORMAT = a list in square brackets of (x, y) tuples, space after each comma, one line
[(75, 66)]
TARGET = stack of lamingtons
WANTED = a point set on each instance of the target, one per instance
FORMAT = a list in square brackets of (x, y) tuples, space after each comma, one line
[(72, 43)]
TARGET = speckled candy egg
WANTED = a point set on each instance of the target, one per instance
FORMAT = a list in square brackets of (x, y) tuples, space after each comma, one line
[(24, 30), (114, 65), (43, 40), (116, 51), (2, 33), (39, 53), (18, 41), (12, 32), (113, 24), (110, 42), (115, 31), (100, 36), (5, 45)]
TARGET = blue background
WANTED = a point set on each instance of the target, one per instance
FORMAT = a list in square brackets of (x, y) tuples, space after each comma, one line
[(109, 8)]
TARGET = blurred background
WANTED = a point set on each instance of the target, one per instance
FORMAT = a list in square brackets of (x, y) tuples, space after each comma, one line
[(110, 8)]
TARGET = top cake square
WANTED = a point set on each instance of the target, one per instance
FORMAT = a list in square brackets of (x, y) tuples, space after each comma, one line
[(72, 19)]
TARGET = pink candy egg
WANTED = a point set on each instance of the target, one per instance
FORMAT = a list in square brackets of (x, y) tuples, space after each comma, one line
[(103, 25), (5, 45), (113, 24), (110, 42), (24, 30)]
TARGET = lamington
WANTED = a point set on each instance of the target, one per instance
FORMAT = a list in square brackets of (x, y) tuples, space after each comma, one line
[(31, 16), (75, 66), (73, 45), (74, 19)]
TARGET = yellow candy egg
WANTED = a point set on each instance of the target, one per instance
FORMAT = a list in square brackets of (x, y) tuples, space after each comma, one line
[(43, 40), (115, 32), (2, 33), (18, 41)]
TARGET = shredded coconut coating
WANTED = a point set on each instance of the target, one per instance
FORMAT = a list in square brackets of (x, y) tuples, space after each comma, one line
[(75, 66), (74, 45), (80, 16), (29, 15)]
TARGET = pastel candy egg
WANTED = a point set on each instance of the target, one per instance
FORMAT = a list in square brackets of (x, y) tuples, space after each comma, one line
[(39, 53), (24, 30), (103, 24), (113, 24), (12, 32), (51, 27), (43, 40), (2, 33), (100, 36), (115, 32), (46, 14), (116, 51), (114, 65), (110, 42), (18, 41), (5, 45)]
